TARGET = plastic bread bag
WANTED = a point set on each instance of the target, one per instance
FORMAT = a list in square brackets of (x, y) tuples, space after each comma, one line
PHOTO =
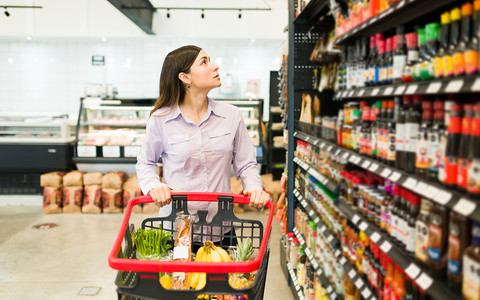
[(182, 249)]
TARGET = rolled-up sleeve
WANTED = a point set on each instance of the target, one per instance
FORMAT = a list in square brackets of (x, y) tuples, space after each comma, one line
[(245, 161), (152, 148)]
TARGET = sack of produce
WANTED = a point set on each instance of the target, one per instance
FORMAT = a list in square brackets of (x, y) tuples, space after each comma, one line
[(183, 249), (72, 199), (52, 200), (113, 180), (92, 179), (92, 199), (150, 208), (52, 179), (112, 200), (74, 178)]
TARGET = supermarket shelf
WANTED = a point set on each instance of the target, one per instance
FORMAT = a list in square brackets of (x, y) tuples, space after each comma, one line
[(399, 14), (330, 185), (328, 236), (460, 84), (296, 289), (311, 12), (436, 288), (325, 281), (105, 160), (454, 200), (116, 124)]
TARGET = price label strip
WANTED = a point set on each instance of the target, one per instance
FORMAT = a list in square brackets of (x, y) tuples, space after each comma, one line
[(411, 89), (386, 172), (359, 283), (362, 91), (442, 197), (465, 207), (352, 273), (412, 271), (400, 90), (375, 91), (366, 293), (454, 86), (375, 237), (345, 155), (363, 226), (421, 188), (366, 164), (424, 281), (395, 176), (87, 151), (337, 153), (373, 167), (434, 87), (355, 219), (476, 85), (410, 183), (343, 260), (431, 192), (386, 247), (388, 91)]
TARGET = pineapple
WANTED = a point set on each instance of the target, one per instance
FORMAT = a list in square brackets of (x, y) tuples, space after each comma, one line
[(243, 252)]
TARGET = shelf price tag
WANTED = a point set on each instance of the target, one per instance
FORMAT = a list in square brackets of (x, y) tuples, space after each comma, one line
[(131, 151), (410, 183), (352, 273), (343, 260), (323, 229), (454, 86), (386, 246), (388, 91), (395, 176), (359, 283), (307, 139), (366, 293), (424, 281), (363, 226), (352, 158), (366, 164), (442, 197), (329, 289), (329, 148), (400, 90), (375, 91), (431, 192), (311, 213), (355, 219), (476, 85), (412, 271), (465, 207), (337, 253), (351, 93), (87, 151), (337, 153), (401, 4), (373, 167), (386, 172), (330, 239), (322, 145), (362, 91), (434, 87), (111, 151), (375, 237), (411, 89), (317, 219), (421, 188), (345, 155), (357, 160)]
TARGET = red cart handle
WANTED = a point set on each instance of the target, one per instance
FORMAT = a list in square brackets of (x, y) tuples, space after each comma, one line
[(137, 265)]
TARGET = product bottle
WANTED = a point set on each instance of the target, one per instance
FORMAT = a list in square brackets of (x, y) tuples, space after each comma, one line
[(471, 267), (458, 56), (427, 69), (381, 63), (412, 216), (453, 141), (412, 124), (389, 60), (438, 238), (391, 131), (370, 63), (465, 147), (471, 55), (378, 58), (301, 267), (473, 173), (385, 208), (362, 63), (443, 142), (399, 291), (374, 116), (341, 73), (448, 64), (389, 278), (400, 132), (421, 163), (394, 209), (444, 34), (458, 239), (422, 233), (402, 218), (412, 57), (434, 134), (365, 140), (422, 53), (382, 133), (399, 55), (294, 253)]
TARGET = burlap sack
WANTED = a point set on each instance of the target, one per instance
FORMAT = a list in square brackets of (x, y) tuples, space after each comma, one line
[(52, 179), (131, 189), (113, 180), (72, 199), (150, 208), (52, 200), (112, 200), (74, 178), (236, 185), (92, 179), (92, 199)]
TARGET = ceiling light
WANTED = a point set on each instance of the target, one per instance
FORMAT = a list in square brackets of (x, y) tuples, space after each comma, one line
[(240, 14), (29, 38), (203, 15), (103, 39), (168, 13)]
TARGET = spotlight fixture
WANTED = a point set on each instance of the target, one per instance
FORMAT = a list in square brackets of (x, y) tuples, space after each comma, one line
[(6, 12), (168, 13), (203, 15), (240, 14)]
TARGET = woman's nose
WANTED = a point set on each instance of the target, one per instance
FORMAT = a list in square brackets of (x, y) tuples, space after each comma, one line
[(213, 66)]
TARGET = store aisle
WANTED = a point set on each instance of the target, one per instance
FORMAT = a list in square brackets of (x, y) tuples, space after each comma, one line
[(57, 263)]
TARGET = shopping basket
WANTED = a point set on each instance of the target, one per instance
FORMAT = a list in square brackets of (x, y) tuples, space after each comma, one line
[(140, 278)]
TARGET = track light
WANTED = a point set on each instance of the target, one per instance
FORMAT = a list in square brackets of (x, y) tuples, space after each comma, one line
[(168, 13), (7, 13), (203, 15), (240, 14)]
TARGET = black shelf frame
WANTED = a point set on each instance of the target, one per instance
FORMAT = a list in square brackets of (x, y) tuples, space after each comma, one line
[(454, 200), (401, 13), (458, 84)]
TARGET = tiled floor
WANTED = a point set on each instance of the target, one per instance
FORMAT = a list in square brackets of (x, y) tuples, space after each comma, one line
[(57, 263)]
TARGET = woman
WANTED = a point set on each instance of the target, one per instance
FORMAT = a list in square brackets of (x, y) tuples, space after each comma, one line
[(196, 137)]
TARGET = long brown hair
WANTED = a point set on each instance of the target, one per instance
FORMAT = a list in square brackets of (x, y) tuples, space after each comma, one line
[(172, 89)]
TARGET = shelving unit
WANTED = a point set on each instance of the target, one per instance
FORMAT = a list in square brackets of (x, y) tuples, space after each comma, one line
[(276, 155)]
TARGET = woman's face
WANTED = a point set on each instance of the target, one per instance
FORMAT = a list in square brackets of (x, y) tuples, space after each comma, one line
[(203, 73)]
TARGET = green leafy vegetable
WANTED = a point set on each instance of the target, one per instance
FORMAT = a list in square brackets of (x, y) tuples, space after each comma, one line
[(152, 242)]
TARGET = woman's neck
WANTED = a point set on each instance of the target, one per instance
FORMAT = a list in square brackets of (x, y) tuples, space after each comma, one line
[(195, 106)]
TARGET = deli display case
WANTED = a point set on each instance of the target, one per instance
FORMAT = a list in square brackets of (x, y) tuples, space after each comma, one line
[(32, 144)]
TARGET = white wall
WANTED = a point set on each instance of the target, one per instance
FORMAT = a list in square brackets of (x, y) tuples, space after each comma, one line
[(50, 75)]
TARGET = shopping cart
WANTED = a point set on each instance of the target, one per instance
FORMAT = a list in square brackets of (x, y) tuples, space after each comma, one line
[(140, 278)]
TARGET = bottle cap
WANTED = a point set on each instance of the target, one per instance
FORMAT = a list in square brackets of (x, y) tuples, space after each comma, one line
[(412, 39), (394, 45), (446, 17), (468, 107), (427, 114), (432, 31), (403, 193), (467, 9), (372, 42), (357, 180), (438, 105), (384, 104), (379, 36), (455, 14), (381, 46), (417, 98), (291, 234), (391, 104), (295, 240), (427, 105), (363, 104)]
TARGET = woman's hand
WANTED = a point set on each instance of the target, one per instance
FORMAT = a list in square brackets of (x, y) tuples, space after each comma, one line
[(258, 199), (161, 195)]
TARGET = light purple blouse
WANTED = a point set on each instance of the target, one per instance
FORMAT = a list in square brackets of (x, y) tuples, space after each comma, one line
[(198, 158)]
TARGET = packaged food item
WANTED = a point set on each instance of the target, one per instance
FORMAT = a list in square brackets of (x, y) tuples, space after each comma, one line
[(52, 179), (112, 201), (72, 199), (92, 199), (52, 200), (113, 180), (182, 249), (92, 179), (74, 178)]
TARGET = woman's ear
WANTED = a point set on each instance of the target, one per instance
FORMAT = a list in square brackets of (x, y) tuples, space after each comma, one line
[(185, 78)]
